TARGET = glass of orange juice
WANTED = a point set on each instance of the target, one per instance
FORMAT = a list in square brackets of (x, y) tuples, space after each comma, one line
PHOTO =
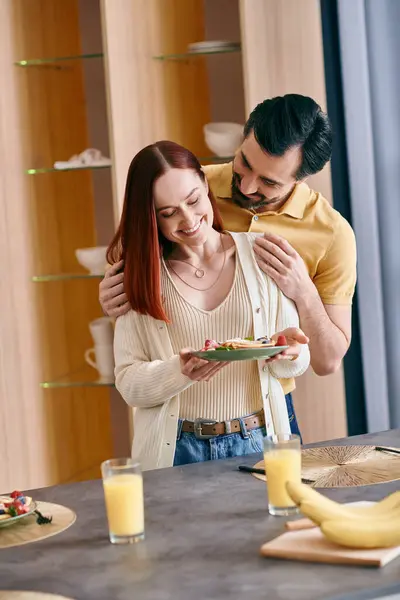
[(282, 459), (123, 493)]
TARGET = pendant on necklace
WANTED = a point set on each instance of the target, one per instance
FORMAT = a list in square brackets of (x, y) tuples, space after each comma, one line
[(199, 273)]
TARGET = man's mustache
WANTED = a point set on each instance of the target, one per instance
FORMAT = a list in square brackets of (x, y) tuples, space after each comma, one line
[(237, 190)]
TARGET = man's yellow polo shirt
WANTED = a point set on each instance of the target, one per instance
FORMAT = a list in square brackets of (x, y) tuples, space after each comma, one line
[(319, 233)]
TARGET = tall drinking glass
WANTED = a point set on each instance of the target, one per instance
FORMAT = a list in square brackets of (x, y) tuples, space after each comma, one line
[(282, 458), (123, 493)]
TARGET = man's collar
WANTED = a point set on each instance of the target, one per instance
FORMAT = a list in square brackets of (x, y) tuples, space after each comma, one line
[(294, 206), (225, 181)]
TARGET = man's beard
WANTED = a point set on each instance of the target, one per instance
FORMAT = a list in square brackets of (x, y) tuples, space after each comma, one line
[(244, 201), (258, 201)]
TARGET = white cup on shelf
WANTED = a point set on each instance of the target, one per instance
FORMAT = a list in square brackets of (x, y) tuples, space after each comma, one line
[(101, 358), (102, 331)]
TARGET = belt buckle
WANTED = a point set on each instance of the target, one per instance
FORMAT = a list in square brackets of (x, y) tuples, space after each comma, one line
[(198, 426)]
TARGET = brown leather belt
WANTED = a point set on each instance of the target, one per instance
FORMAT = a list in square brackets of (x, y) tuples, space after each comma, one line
[(204, 429)]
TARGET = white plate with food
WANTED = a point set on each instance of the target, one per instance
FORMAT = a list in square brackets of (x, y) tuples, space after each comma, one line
[(241, 349), (15, 507)]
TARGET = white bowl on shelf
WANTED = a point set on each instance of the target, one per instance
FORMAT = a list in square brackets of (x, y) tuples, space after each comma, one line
[(223, 138), (93, 259)]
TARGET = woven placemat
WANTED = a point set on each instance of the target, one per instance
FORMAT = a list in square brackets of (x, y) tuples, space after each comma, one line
[(346, 466), (11, 595), (27, 530)]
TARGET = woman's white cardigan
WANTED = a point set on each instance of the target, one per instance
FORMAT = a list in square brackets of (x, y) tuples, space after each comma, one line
[(149, 378)]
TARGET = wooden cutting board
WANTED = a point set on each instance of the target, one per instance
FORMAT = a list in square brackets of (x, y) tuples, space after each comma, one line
[(310, 545)]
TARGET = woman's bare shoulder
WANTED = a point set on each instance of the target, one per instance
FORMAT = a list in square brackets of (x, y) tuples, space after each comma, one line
[(228, 241)]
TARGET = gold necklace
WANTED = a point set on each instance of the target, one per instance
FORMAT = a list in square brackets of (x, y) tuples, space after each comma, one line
[(199, 270)]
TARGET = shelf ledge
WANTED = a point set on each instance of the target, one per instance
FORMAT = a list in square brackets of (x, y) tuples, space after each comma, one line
[(54, 170), (37, 62), (204, 159), (190, 55), (64, 277), (85, 377), (215, 159)]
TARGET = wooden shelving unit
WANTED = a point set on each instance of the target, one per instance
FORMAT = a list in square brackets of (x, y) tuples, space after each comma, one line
[(65, 208)]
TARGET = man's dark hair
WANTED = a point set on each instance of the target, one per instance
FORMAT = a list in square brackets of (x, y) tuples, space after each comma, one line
[(286, 121)]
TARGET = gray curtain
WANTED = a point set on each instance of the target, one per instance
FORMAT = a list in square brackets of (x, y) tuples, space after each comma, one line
[(370, 62)]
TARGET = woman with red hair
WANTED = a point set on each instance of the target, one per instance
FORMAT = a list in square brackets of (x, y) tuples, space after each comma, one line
[(187, 280)]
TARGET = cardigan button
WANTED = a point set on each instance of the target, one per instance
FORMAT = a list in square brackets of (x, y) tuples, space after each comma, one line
[(258, 309), (265, 369)]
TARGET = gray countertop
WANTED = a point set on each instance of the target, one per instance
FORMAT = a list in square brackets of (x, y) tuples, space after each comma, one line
[(205, 524)]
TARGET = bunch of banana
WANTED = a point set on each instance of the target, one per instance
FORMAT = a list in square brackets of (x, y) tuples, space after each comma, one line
[(375, 526), (383, 533)]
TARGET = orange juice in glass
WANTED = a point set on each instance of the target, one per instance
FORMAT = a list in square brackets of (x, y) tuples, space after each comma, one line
[(282, 458), (123, 494)]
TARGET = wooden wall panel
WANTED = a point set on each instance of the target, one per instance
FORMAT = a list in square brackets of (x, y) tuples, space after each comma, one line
[(283, 53), (149, 100), (225, 72), (24, 456), (46, 105)]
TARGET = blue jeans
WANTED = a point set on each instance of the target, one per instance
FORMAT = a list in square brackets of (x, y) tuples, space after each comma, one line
[(294, 426), (191, 450)]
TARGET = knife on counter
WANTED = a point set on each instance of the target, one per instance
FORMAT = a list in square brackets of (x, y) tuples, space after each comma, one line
[(385, 449), (262, 472)]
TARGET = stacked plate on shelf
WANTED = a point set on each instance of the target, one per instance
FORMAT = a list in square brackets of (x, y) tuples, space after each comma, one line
[(213, 46)]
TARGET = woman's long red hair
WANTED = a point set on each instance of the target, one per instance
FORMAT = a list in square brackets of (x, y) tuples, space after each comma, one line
[(137, 240)]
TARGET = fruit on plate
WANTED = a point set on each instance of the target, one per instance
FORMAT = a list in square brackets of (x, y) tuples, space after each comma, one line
[(375, 526), (210, 345), (14, 505), (239, 344)]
